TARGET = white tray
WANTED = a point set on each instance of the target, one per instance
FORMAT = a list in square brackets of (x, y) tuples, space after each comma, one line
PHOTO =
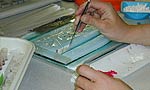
[(124, 61), (19, 55)]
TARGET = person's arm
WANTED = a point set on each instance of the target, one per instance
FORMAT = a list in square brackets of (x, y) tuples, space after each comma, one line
[(106, 19), (139, 34), (90, 79)]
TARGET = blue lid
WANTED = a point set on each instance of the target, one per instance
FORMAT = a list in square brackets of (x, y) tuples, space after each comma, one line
[(135, 15)]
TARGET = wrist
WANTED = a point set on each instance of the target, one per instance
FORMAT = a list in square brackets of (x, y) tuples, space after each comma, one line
[(123, 33)]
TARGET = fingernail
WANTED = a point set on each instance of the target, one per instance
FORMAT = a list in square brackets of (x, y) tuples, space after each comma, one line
[(78, 68)]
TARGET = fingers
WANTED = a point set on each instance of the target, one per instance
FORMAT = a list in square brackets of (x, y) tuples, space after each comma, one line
[(96, 4), (82, 26), (78, 16), (87, 72), (90, 79), (80, 9), (84, 83), (92, 20), (92, 17), (99, 14), (78, 88), (88, 19), (91, 74)]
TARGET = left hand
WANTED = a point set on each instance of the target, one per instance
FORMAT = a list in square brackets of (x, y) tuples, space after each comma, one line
[(90, 79)]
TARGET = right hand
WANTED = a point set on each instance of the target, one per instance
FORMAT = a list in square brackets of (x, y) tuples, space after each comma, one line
[(105, 18)]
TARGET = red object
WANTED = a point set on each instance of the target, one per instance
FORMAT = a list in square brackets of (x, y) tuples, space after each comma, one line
[(79, 2), (109, 73), (115, 3)]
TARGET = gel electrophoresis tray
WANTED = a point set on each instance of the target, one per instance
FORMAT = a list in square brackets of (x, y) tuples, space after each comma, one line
[(86, 45)]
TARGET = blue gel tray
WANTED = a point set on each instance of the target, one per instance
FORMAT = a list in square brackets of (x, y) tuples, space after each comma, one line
[(83, 45), (87, 47), (61, 38), (135, 15), (93, 55), (44, 42)]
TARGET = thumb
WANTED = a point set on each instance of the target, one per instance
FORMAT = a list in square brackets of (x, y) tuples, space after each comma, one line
[(90, 73)]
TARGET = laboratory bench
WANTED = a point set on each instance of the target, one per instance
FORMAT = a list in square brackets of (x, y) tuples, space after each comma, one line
[(44, 75)]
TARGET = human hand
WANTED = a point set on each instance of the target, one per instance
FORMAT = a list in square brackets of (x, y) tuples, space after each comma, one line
[(90, 79), (104, 17)]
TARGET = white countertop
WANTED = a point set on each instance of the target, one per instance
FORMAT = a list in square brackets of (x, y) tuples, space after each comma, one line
[(45, 76)]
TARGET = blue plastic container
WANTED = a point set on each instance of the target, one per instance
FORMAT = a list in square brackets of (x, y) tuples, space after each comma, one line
[(135, 15)]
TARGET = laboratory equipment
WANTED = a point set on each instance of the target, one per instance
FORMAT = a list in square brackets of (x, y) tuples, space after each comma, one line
[(17, 54), (21, 24), (136, 10), (14, 7)]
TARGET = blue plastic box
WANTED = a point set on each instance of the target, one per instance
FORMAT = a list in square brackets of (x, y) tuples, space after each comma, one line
[(135, 15)]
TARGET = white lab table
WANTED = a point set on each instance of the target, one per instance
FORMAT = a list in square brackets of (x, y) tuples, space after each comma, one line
[(42, 75), (45, 76), (140, 80)]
